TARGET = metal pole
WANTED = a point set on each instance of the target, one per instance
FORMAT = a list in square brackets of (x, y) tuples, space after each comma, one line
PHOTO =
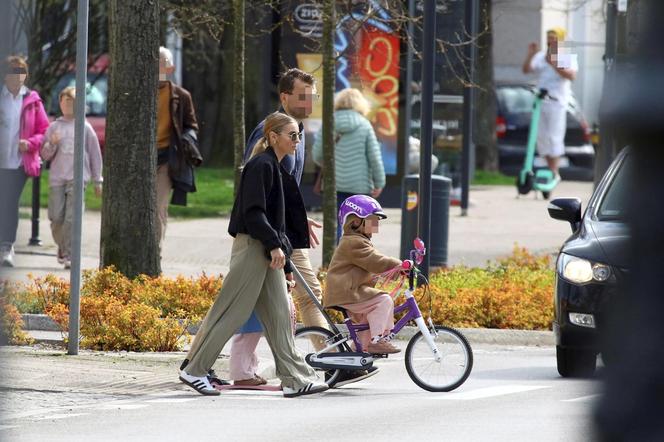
[(408, 81), (79, 145), (428, 68), (606, 149), (34, 238), (468, 103)]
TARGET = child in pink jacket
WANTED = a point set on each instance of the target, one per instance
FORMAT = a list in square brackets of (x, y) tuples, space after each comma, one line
[(23, 122), (58, 148)]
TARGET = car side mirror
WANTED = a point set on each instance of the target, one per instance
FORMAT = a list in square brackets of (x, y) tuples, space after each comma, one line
[(566, 209)]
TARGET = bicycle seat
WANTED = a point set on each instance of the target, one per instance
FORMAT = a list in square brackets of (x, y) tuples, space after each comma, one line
[(339, 309)]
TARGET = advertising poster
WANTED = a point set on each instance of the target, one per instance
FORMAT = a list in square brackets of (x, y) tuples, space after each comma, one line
[(368, 60)]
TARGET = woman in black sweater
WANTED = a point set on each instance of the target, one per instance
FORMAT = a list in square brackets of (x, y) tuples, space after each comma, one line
[(256, 279)]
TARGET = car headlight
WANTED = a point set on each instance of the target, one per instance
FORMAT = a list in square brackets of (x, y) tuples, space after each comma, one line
[(581, 271)]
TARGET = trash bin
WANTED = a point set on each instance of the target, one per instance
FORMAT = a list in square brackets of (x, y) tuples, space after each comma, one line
[(440, 210)]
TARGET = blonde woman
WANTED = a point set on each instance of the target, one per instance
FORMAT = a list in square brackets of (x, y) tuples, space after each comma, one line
[(358, 160), (256, 279)]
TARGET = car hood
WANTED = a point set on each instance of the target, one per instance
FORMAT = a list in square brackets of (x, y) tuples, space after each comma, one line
[(614, 239), (605, 242)]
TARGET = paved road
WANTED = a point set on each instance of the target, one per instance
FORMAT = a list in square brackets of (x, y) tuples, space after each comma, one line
[(497, 220), (513, 394)]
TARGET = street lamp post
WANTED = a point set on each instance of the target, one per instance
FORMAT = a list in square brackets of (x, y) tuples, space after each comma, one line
[(428, 68), (79, 143)]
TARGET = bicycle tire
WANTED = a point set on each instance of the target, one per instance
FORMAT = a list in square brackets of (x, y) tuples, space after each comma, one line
[(457, 359), (306, 346)]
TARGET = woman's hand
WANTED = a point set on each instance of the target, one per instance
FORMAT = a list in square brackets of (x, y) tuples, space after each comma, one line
[(23, 146), (98, 189), (376, 193), (278, 259)]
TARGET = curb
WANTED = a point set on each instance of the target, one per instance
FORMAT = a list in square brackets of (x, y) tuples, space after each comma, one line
[(38, 322)]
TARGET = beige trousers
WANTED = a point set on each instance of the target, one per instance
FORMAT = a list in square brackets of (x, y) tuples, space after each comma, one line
[(61, 215), (164, 187), (244, 361), (251, 285)]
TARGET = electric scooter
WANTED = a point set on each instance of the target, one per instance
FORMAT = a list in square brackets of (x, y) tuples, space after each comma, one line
[(540, 180)]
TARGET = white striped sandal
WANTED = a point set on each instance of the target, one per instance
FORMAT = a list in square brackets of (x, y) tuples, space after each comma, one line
[(199, 383), (310, 388)]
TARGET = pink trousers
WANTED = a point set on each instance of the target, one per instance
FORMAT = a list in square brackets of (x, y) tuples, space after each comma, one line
[(243, 362), (377, 311)]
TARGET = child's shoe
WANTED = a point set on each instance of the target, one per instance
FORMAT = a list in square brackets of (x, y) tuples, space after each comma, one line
[(61, 256), (382, 347)]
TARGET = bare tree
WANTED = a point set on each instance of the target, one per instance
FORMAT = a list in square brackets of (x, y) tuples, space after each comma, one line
[(238, 89), (129, 215), (330, 193), (486, 153), (52, 42)]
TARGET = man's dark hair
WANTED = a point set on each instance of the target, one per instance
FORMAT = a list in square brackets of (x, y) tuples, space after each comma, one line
[(287, 80)]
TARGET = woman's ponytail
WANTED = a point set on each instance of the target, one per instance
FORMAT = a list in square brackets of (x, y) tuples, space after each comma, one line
[(259, 147)]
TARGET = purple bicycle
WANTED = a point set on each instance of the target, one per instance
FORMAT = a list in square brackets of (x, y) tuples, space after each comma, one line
[(437, 358)]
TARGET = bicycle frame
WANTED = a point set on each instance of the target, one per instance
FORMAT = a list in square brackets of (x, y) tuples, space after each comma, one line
[(410, 306)]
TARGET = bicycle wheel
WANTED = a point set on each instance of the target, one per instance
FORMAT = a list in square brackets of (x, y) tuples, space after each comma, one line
[(451, 371), (312, 339)]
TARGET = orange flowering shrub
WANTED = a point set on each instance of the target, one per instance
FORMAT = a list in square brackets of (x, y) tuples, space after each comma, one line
[(117, 313), (11, 324), (514, 292)]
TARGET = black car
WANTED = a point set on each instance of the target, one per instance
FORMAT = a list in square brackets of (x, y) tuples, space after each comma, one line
[(514, 106), (591, 267)]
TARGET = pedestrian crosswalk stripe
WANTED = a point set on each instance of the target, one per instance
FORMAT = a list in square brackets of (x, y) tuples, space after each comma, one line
[(112, 406), (483, 393), (588, 398), (171, 400), (59, 416)]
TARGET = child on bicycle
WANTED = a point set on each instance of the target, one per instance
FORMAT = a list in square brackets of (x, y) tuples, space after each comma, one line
[(350, 276)]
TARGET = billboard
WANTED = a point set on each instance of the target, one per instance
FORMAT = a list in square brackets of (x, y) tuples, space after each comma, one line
[(368, 49)]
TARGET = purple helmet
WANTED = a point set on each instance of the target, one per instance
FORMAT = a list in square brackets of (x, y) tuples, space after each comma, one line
[(361, 206)]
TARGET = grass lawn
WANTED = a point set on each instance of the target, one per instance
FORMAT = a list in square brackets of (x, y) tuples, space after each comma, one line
[(214, 196), (482, 177)]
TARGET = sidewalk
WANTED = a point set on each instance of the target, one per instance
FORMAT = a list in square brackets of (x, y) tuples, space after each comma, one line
[(496, 221)]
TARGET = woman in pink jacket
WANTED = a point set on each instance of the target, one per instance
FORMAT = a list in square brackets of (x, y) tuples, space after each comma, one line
[(23, 123)]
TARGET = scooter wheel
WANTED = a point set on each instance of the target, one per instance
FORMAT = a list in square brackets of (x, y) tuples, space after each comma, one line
[(527, 186), (546, 195)]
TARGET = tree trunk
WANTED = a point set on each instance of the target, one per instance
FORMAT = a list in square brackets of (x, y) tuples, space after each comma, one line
[(329, 185), (485, 100), (129, 208), (238, 89)]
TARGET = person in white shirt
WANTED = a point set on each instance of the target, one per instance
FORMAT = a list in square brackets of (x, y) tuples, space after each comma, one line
[(556, 71)]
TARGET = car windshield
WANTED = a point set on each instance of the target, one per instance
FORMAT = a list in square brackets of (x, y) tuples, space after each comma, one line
[(614, 202), (97, 89), (516, 99)]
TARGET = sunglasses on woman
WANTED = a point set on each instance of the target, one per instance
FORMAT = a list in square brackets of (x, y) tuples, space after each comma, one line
[(295, 136)]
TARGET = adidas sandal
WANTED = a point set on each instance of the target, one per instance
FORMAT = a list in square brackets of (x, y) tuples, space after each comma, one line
[(199, 383)]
